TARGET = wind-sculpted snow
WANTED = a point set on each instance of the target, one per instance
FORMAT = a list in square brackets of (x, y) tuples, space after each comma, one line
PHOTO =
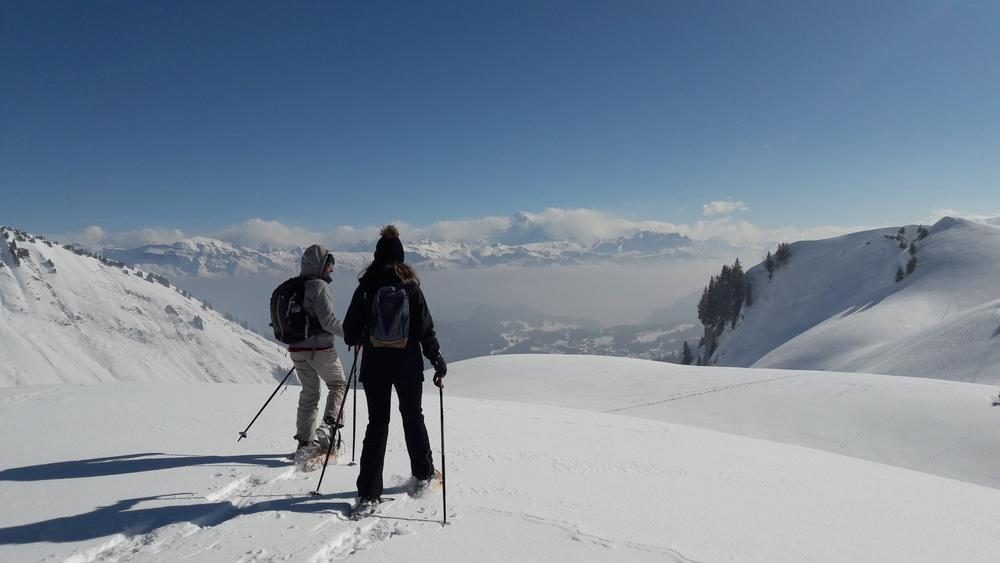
[(70, 318), (525, 483), (836, 306)]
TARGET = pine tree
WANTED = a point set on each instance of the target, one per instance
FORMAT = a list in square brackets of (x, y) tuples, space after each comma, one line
[(913, 249), (899, 274), (911, 265), (922, 232), (686, 356), (784, 252), (769, 264)]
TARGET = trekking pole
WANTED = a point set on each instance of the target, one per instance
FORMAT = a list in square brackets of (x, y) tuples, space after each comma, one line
[(444, 483), (244, 433), (335, 433), (354, 425), (343, 403)]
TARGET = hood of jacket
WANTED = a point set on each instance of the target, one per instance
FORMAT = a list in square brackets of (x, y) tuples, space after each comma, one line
[(313, 261)]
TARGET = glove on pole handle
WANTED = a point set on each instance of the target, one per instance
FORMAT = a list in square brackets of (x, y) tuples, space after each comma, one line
[(244, 433), (335, 434)]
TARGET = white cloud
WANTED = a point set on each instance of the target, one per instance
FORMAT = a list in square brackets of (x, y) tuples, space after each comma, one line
[(259, 232), (988, 218), (146, 236), (96, 236), (744, 233), (723, 207), (92, 235)]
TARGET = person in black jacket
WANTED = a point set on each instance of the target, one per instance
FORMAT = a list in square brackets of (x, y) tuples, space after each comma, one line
[(384, 368)]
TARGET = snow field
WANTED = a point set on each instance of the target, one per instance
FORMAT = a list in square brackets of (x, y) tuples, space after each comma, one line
[(158, 476)]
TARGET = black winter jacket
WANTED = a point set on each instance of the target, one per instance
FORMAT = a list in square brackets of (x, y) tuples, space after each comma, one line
[(391, 363)]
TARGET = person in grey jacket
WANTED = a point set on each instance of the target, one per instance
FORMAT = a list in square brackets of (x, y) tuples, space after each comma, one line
[(315, 358)]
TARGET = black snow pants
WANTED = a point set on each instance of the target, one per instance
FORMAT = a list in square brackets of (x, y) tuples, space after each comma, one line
[(378, 394)]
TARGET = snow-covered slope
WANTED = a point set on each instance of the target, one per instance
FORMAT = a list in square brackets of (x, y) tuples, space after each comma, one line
[(526, 482), (836, 306), (940, 427), (68, 318)]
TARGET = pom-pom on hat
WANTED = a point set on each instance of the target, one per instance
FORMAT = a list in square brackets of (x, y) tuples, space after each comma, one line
[(389, 249)]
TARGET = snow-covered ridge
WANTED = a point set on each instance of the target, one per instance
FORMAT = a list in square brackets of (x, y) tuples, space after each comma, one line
[(837, 305), (72, 318)]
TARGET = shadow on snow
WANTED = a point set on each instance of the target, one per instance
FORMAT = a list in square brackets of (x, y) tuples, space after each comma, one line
[(131, 463), (123, 518)]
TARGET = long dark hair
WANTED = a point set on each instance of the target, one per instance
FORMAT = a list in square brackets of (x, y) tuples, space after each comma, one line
[(403, 271)]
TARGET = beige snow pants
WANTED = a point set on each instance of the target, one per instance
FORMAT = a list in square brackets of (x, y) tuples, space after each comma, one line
[(311, 367)]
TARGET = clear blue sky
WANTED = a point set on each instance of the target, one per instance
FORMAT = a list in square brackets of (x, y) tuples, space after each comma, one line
[(196, 115)]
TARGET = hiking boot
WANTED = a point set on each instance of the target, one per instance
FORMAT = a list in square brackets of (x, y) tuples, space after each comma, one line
[(335, 424), (325, 435), (304, 445)]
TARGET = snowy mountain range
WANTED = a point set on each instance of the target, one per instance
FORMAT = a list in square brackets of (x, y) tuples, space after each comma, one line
[(70, 317), (207, 257), (903, 301)]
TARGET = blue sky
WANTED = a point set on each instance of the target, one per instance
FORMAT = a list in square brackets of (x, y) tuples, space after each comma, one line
[(201, 115)]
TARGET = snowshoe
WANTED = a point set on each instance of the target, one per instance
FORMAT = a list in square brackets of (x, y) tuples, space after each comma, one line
[(366, 507), (310, 457), (421, 486)]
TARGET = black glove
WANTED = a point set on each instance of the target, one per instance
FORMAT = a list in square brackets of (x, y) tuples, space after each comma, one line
[(332, 422), (440, 367), (440, 370)]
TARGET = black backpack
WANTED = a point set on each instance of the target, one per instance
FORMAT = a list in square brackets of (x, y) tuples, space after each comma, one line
[(290, 321)]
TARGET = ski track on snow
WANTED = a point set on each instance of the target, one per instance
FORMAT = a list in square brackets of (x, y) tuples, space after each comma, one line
[(400, 517), (393, 519), (578, 534), (708, 391), (129, 545), (21, 397)]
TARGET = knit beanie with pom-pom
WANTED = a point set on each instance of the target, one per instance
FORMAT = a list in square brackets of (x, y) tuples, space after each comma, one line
[(389, 249)]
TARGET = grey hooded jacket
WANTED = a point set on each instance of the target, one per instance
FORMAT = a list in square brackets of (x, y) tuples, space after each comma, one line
[(318, 300)]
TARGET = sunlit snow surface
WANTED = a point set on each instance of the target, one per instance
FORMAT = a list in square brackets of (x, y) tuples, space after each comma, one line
[(549, 458), (836, 306)]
